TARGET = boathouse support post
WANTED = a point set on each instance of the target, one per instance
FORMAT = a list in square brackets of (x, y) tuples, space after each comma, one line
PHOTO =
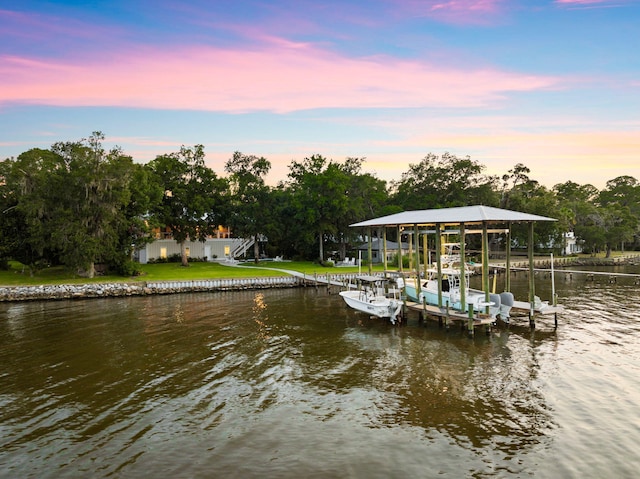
[(399, 248), (384, 247), (554, 296), (417, 257), (485, 264), (532, 283), (463, 276), (507, 278), (439, 265), (369, 251), (425, 252), (410, 252)]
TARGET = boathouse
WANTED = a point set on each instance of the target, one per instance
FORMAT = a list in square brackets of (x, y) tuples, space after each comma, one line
[(465, 220)]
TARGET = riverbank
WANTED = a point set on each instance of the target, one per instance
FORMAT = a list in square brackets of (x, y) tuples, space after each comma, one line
[(292, 279), (165, 278), (233, 278), (107, 290)]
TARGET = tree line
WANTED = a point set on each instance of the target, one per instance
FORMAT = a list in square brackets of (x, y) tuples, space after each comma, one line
[(79, 205)]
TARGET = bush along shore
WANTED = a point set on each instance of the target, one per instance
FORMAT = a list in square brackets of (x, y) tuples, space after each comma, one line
[(106, 290)]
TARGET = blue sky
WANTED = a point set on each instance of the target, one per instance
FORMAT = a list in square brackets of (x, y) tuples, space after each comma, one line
[(553, 84)]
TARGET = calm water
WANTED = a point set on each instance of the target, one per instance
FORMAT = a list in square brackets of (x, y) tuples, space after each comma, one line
[(291, 383)]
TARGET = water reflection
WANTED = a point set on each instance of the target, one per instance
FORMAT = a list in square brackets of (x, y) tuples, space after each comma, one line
[(260, 316), (479, 393)]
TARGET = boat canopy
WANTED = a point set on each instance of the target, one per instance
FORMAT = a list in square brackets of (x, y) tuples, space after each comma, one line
[(465, 214)]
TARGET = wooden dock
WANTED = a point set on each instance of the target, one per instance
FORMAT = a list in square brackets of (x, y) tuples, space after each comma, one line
[(447, 316), (560, 271), (524, 307)]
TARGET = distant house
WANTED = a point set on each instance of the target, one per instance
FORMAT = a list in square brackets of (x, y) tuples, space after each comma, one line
[(568, 245), (377, 250), (218, 247), (571, 244)]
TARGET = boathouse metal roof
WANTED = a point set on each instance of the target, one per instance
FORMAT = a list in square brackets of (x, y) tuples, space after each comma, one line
[(477, 214)]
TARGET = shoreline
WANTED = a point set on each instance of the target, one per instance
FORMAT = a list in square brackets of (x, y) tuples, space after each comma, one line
[(147, 288), (292, 280), (121, 289)]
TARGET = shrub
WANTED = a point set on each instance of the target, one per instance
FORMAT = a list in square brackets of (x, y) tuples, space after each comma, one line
[(128, 268)]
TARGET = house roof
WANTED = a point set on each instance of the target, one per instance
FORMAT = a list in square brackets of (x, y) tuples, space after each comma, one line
[(466, 214)]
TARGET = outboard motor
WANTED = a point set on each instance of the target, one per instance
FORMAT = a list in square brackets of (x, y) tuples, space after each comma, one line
[(495, 299), (506, 303), (494, 309)]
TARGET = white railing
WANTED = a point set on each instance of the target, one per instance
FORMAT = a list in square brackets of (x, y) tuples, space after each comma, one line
[(242, 248)]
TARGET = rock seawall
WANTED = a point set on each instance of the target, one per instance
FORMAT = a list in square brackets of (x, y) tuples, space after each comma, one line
[(106, 290)]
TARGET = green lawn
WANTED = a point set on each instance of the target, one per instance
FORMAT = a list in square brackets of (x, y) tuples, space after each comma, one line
[(18, 275)]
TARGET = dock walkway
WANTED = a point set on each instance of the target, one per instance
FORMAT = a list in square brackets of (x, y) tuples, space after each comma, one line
[(338, 279), (563, 264), (447, 316)]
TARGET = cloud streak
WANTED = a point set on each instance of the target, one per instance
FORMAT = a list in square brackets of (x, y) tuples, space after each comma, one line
[(592, 3), (460, 12), (284, 77)]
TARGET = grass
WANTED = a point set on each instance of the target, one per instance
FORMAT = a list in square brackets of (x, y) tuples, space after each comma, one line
[(17, 275)]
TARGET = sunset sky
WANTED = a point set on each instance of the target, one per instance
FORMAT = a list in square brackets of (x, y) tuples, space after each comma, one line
[(553, 84)]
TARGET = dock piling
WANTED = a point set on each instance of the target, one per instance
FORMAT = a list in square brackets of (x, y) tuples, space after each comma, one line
[(532, 321), (447, 319)]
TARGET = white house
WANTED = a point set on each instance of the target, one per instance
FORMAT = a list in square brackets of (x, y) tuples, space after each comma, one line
[(571, 245), (211, 249)]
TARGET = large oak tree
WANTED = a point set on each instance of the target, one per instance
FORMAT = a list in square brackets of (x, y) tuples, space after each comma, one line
[(249, 215), (192, 202), (71, 200)]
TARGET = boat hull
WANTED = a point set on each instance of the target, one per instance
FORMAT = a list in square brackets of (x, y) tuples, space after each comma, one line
[(473, 297), (378, 306)]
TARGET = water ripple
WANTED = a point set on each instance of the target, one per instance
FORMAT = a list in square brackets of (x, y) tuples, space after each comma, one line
[(292, 383)]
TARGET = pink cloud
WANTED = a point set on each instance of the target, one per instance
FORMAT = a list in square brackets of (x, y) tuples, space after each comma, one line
[(286, 77)]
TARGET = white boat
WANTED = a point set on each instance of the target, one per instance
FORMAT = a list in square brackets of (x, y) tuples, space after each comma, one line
[(498, 304), (371, 297)]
